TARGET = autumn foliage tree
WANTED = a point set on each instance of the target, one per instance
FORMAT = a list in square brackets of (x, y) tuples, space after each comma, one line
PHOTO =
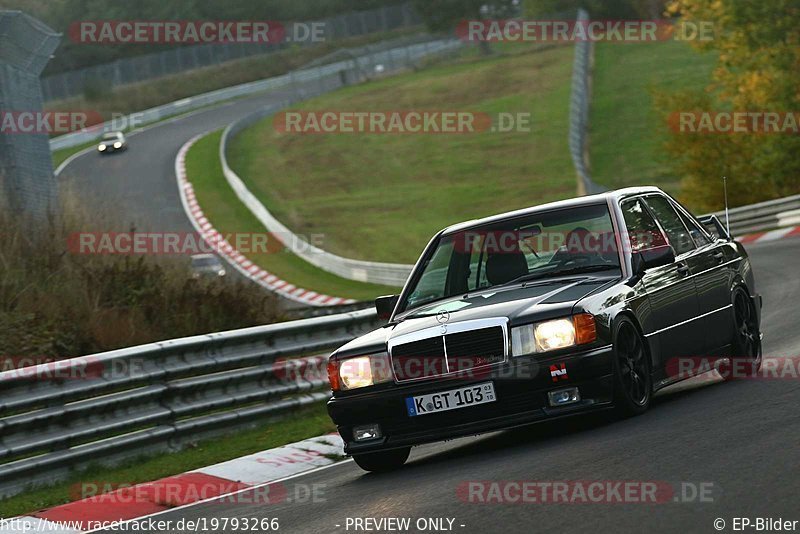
[(758, 70)]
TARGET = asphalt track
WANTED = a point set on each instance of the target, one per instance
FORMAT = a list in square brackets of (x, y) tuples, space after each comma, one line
[(137, 188), (740, 437)]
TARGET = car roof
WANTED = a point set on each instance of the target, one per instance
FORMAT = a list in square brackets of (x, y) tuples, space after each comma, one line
[(604, 197)]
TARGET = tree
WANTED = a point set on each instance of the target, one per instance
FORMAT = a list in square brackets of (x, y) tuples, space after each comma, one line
[(758, 70), (445, 15), (614, 9)]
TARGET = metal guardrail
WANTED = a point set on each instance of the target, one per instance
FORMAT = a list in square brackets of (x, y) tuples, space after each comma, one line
[(391, 274), (155, 65), (579, 106), (393, 51), (60, 417), (763, 216)]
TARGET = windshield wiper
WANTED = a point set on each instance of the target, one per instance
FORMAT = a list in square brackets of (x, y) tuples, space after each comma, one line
[(565, 272)]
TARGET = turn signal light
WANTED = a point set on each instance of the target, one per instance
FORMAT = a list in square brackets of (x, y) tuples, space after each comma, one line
[(333, 375), (585, 328)]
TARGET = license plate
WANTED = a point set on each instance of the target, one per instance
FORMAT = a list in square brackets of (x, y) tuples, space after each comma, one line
[(451, 400)]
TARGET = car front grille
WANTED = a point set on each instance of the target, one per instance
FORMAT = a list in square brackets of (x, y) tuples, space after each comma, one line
[(439, 355), (475, 348), (419, 359)]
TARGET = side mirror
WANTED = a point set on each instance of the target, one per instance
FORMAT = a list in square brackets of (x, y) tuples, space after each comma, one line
[(650, 258), (385, 306), (714, 227)]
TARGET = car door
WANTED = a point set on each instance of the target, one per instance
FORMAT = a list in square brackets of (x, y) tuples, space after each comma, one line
[(714, 266), (670, 290), (705, 262)]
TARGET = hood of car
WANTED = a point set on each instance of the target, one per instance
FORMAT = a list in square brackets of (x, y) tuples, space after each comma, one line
[(520, 305)]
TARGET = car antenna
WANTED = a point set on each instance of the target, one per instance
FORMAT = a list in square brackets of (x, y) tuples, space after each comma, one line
[(727, 218)]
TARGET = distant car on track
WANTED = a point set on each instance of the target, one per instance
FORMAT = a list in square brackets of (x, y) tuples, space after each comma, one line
[(207, 265), (112, 142), (585, 304)]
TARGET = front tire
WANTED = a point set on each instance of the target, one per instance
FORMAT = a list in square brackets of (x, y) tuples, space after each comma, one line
[(633, 387), (383, 461)]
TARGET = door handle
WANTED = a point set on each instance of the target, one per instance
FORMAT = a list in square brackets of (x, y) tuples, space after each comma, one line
[(682, 269), (719, 255)]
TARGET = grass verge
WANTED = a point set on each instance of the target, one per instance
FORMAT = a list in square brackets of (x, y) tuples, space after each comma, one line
[(627, 132), (228, 215), (381, 196), (59, 300), (305, 423)]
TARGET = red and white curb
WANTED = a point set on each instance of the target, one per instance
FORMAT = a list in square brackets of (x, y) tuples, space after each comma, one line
[(772, 235), (261, 473), (233, 256)]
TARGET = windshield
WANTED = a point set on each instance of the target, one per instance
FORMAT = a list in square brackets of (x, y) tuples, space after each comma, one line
[(567, 241)]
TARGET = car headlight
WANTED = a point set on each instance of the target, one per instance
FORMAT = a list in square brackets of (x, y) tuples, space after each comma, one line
[(359, 372), (552, 335), (101, 148), (117, 145)]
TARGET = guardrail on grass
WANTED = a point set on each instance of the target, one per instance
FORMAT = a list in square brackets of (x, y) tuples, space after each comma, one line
[(579, 105), (59, 417), (391, 274), (390, 52)]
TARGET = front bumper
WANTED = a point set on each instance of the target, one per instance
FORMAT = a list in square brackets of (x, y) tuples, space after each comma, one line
[(110, 149), (521, 387)]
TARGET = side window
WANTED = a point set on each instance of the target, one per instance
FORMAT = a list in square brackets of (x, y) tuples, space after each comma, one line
[(697, 234), (676, 232), (643, 232)]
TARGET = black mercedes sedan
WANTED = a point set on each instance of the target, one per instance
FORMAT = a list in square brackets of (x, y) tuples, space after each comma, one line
[(585, 304)]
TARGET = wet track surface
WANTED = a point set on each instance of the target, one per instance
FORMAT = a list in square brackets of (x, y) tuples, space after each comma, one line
[(739, 438)]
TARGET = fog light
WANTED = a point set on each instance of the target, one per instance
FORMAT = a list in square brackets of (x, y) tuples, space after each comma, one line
[(363, 433), (367, 432), (560, 397)]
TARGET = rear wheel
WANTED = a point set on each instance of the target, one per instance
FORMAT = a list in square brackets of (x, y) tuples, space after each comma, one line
[(382, 461), (745, 359), (633, 386)]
